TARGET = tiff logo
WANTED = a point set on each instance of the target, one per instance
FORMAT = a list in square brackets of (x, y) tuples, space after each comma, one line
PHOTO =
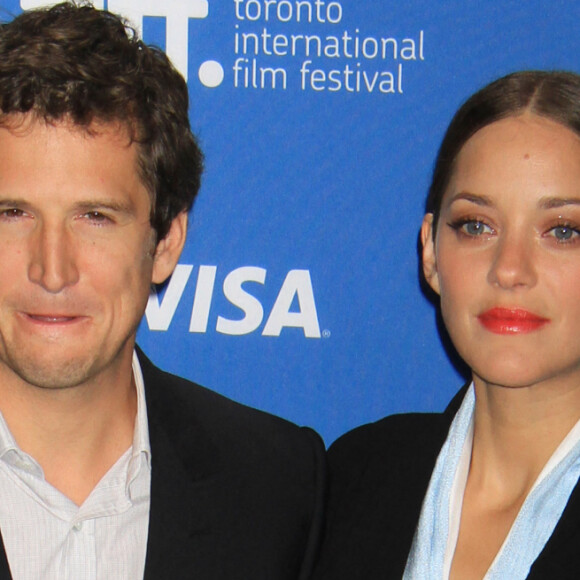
[(176, 13)]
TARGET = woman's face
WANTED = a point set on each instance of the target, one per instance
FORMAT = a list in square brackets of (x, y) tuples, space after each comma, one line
[(506, 258)]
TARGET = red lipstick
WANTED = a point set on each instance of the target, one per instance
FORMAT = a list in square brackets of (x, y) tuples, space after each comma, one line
[(511, 320)]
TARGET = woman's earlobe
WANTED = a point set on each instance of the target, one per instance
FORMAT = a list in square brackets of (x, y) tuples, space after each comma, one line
[(429, 257)]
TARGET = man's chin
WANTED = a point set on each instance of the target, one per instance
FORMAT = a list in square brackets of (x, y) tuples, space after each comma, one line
[(52, 374)]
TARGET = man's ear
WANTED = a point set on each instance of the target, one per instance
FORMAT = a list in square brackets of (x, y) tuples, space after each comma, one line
[(429, 257), (169, 249)]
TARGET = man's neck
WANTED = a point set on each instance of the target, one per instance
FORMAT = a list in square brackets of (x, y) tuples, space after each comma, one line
[(75, 434)]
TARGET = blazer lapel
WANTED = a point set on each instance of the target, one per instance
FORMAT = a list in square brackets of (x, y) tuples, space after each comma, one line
[(414, 470), (560, 557), (177, 515), (183, 462), (419, 472), (4, 568)]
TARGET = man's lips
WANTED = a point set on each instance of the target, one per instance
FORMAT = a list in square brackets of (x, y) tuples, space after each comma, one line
[(52, 318), (511, 320)]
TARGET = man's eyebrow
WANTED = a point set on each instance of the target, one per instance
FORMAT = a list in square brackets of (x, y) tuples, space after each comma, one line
[(555, 202), (475, 198), (105, 204), (14, 202)]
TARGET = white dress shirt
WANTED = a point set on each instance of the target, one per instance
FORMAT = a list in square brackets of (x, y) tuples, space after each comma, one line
[(47, 536)]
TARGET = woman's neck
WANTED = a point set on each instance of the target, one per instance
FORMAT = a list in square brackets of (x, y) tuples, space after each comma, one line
[(516, 431)]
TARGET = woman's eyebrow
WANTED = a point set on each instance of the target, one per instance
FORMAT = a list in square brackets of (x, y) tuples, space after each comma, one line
[(476, 198), (554, 202)]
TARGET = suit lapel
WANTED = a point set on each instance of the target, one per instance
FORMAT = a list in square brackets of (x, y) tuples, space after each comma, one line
[(560, 557), (407, 498), (184, 467), (175, 516), (4, 568)]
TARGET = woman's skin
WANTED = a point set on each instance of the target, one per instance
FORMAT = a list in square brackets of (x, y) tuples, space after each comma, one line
[(506, 263)]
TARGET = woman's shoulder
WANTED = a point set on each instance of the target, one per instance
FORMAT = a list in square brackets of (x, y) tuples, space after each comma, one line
[(377, 475), (386, 438), (396, 440)]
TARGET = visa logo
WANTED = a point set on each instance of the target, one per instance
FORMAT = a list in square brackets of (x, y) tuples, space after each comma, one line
[(296, 288)]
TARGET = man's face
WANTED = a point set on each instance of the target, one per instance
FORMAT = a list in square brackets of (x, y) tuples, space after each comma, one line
[(77, 252)]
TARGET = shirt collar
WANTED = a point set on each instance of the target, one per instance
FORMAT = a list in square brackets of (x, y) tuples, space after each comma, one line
[(11, 454), (141, 433), (7, 441)]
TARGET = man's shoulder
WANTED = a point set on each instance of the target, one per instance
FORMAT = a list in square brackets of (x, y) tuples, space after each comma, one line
[(188, 412), (251, 483)]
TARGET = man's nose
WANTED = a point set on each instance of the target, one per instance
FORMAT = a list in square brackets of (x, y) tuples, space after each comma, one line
[(52, 258)]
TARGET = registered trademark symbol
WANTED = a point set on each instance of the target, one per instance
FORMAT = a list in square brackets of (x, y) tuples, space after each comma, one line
[(326, 334)]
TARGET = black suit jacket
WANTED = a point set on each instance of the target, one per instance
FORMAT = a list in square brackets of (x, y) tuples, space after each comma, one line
[(378, 476), (236, 494)]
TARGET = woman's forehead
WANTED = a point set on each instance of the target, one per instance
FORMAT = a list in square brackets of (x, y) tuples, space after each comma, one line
[(531, 142)]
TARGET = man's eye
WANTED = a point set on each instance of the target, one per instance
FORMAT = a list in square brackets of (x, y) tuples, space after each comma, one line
[(11, 213), (96, 217)]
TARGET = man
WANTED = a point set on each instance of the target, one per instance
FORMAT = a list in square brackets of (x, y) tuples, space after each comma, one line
[(110, 468)]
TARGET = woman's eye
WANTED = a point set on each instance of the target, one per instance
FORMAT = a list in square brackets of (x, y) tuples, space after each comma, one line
[(472, 228), (564, 233), (476, 228)]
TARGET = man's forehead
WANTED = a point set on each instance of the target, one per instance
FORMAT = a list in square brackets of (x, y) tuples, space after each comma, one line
[(101, 157), (116, 134), (21, 124)]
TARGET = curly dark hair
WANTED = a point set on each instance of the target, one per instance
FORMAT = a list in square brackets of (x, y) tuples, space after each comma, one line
[(74, 62), (554, 95)]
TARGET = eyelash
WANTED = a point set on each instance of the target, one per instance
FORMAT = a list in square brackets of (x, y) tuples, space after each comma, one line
[(94, 218), (11, 213), (575, 238), (97, 218), (459, 224)]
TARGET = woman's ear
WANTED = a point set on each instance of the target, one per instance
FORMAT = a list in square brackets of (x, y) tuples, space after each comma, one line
[(429, 257), (169, 249)]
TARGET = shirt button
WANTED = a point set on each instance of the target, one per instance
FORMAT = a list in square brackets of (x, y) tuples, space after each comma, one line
[(78, 526)]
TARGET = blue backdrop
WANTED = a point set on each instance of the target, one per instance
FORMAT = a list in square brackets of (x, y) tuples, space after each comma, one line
[(298, 291)]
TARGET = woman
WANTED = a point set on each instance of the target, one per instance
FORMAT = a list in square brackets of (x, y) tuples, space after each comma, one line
[(488, 489)]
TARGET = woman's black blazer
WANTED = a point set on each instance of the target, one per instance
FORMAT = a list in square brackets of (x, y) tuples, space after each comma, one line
[(378, 477)]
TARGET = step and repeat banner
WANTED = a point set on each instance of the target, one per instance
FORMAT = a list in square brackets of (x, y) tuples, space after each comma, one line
[(298, 291)]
